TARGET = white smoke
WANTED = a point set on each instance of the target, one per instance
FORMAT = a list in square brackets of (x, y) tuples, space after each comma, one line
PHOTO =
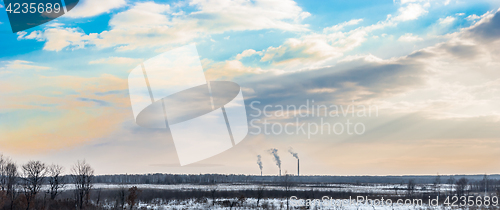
[(274, 152), (296, 155), (259, 161)]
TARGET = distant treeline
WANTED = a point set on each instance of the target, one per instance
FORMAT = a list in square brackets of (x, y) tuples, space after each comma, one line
[(233, 178)]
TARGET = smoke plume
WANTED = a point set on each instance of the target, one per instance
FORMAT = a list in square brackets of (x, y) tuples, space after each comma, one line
[(259, 162), (274, 152), (296, 155)]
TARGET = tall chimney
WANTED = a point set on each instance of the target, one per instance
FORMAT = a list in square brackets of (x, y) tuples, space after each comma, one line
[(298, 167)]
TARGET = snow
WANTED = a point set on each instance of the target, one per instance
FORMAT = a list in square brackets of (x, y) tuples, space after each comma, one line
[(368, 188)]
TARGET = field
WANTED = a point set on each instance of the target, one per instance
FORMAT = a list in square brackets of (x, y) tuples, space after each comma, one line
[(273, 196), (230, 191)]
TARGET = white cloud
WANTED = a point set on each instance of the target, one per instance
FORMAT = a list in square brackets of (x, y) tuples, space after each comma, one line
[(54, 24), (249, 15), (410, 12), (59, 38), (247, 53), (310, 51), (304, 15), (227, 70), (455, 79), (142, 16), (38, 35), (322, 90), (153, 25), (463, 80), (315, 50), (407, 1), (89, 8), (472, 17), (146, 25), (116, 61), (21, 35), (411, 1), (21, 64), (408, 37), (339, 27), (303, 52), (366, 58), (447, 20)]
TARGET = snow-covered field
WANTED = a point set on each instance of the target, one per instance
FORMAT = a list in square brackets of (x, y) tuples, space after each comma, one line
[(251, 203), (368, 188), (281, 203)]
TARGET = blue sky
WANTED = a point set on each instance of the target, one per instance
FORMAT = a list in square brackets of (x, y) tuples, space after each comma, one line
[(213, 46), (430, 66)]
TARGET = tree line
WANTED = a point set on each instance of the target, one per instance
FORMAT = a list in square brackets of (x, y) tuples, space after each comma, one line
[(162, 178), (36, 185)]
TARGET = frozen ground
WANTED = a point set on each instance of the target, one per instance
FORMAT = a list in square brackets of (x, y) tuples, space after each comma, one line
[(281, 204), (368, 188)]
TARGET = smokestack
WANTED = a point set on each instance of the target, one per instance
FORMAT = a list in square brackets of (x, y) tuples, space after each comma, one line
[(274, 152), (259, 162), (295, 155)]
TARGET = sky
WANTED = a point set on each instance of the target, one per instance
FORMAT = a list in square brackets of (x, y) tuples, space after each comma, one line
[(418, 80)]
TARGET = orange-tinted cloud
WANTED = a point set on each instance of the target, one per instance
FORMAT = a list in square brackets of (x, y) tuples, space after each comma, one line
[(47, 113)]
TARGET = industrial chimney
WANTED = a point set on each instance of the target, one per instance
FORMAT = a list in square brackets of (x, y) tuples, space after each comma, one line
[(274, 152), (295, 155)]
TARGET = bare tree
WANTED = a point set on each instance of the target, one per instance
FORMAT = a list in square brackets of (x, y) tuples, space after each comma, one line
[(437, 184), (98, 201), (4, 161), (82, 174), (260, 194), (287, 185), (3, 194), (213, 193), (8, 175), (462, 186), (410, 187), (485, 182), (451, 182), (11, 174), (56, 181), (122, 194), (33, 174), (133, 194), (235, 201), (3, 199)]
